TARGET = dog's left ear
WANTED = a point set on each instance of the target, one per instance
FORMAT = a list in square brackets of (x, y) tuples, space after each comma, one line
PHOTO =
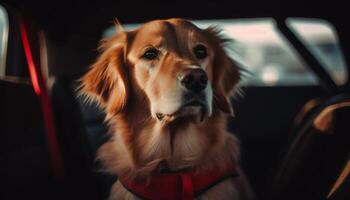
[(225, 72)]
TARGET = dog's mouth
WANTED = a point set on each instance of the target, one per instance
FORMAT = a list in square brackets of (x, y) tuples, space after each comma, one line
[(194, 109)]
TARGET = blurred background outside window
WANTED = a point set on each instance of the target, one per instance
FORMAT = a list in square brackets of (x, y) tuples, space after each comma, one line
[(268, 57)]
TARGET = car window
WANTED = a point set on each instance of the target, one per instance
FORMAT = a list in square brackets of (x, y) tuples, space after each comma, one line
[(321, 39), (268, 58), (3, 39)]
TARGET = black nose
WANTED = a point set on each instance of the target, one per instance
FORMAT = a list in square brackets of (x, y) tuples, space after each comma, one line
[(194, 80)]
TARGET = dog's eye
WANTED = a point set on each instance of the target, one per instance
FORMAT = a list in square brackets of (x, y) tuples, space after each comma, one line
[(200, 51), (151, 54)]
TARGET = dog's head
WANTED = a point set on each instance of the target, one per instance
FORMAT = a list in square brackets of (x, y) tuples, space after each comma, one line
[(179, 69)]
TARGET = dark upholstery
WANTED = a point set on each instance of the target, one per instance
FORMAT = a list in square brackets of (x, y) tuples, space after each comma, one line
[(25, 169), (81, 132)]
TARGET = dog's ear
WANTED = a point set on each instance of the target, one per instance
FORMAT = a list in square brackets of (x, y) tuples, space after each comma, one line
[(106, 82), (225, 72)]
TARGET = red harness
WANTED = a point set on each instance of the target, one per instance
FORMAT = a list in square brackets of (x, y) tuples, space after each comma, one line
[(177, 186)]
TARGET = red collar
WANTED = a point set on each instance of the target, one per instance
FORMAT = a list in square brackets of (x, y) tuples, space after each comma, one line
[(178, 185)]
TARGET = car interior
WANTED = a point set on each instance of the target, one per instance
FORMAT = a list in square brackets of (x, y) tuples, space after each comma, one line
[(292, 110)]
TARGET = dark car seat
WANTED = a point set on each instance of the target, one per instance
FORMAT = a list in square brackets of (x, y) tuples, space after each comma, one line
[(318, 152), (81, 131), (26, 167)]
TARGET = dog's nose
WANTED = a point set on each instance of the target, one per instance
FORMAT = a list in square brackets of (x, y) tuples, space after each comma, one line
[(194, 80)]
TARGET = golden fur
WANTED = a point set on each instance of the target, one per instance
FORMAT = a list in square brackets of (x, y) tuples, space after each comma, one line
[(131, 90)]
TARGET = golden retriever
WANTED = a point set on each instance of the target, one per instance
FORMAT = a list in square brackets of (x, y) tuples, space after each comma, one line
[(165, 88)]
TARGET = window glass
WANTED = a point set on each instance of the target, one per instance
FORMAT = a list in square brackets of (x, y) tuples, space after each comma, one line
[(321, 39), (3, 39), (264, 53)]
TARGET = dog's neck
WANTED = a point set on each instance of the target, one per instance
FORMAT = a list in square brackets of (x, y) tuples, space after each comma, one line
[(141, 144)]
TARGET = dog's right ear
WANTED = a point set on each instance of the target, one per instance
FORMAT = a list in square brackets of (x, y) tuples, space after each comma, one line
[(106, 82)]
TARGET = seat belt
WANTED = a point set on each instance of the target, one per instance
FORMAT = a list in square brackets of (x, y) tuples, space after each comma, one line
[(39, 86)]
